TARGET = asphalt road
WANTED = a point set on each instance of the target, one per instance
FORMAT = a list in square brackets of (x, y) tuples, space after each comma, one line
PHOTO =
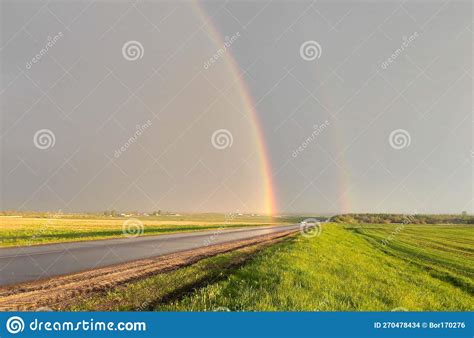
[(23, 264)]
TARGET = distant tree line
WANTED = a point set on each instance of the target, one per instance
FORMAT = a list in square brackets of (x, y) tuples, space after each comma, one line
[(403, 218)]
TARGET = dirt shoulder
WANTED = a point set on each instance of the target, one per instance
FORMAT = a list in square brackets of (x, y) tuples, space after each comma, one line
[(63, 290)]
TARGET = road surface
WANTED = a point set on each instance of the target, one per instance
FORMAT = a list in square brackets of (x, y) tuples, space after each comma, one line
[(23, 264)]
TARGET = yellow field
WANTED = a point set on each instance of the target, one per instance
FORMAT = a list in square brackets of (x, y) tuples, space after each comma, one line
[(16, 231)]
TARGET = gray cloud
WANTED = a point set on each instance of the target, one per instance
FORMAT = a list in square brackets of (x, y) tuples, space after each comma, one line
[(382, 66)]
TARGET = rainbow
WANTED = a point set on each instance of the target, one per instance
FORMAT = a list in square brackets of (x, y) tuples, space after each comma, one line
[(343, 182), (343, 186), (264, 158)]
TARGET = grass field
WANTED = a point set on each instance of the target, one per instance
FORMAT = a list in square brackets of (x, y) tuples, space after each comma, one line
[(346, 268), (16, 231)]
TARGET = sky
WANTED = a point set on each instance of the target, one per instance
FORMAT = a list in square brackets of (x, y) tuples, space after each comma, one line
[(238, 106)]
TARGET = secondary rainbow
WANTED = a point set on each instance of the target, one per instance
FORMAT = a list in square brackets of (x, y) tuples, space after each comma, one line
[(270, 200)]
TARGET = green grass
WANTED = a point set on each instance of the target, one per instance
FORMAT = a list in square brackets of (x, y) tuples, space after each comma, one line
[(444, 251), (346, 268)]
